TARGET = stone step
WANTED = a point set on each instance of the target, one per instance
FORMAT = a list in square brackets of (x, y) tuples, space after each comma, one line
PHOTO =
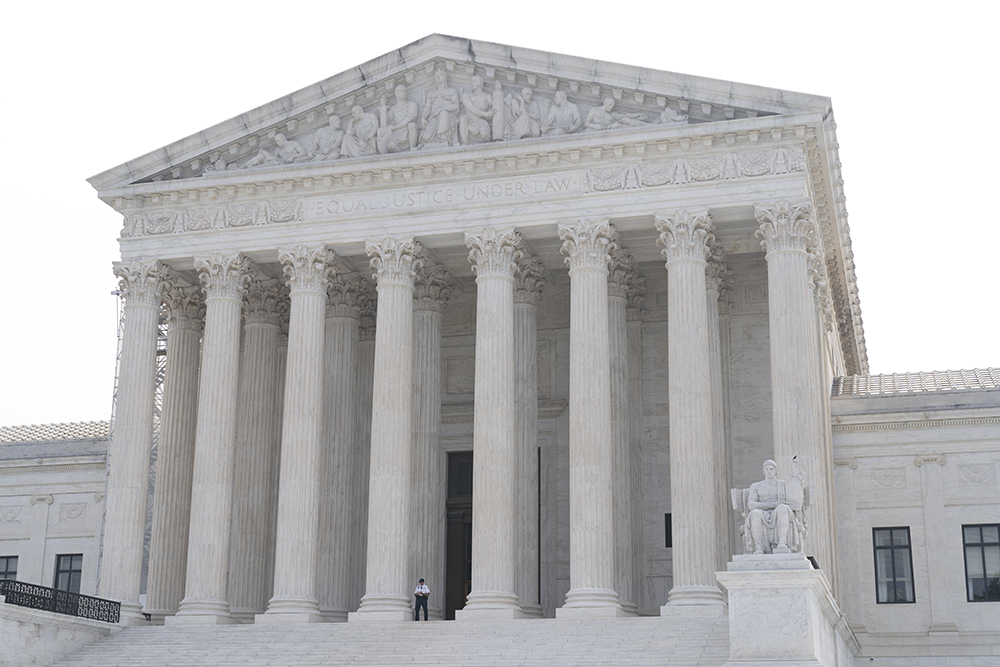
[(545, 643)]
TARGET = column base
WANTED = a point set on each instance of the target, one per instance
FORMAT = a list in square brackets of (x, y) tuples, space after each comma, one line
[(131, 614), (531, 610), (202, 612), (368, 616), (591, 603), (290, 610), (700, 600), (382, 607)]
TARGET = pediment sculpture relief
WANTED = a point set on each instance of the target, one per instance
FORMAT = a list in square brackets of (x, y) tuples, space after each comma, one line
[(445, 117)]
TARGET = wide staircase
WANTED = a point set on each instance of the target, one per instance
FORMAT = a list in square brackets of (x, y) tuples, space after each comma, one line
[(547, 642)]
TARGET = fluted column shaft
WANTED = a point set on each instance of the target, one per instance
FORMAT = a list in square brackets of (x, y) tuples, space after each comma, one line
[(716, 270), (495, 454), (529, 282), (633, 334), (294, 594), (684, 238), (257, 445), (591, 453), (125, 505), (387, 575), (358, 536), (185, 310), (339, 466), (433, 287), (205, 601)]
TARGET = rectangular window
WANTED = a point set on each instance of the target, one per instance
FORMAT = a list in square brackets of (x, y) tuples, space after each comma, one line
[(668, 531), (982, 562), (893, 565), (69, 567), (8, 567)]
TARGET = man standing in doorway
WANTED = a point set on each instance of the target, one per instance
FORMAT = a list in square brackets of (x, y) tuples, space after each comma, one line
[(421, 594)]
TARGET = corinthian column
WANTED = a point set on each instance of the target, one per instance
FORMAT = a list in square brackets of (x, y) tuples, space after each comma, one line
[(492, 254), (141, 283), (716, 275), (184, 308), (529, 281), (685, 240), (294, 595), (339, 479), (797, 388), (387, 576), (591, 453), (433, 287), (223, 279), (257, 446), (358, 536), (633, 333), (623, 273)]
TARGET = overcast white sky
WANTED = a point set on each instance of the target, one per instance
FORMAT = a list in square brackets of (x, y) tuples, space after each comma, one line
[(89, 85)]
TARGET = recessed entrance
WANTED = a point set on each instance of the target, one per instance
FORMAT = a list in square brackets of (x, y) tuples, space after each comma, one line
[(458, 559)]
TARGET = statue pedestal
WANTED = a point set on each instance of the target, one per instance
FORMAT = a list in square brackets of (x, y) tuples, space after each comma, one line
[(782, 612)]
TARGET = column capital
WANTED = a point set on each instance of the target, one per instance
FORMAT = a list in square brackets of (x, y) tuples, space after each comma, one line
[(493, 252), (529, 280), (623, 273), (343, 288), (261, 302), (720, 278), (367, 305), (588, 244), (684, 235), (394, 261), (304, 268), (636, 296), (433, 286), (784, 226), (142, 281), (822, 299), (223, 276), (184, 308)]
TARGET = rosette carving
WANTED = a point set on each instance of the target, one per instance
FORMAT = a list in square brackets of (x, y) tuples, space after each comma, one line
[(184, 308), (685, 235), (342, 288), (588, 244), (493, 252), (394, 261), (623, 273), (432, 288), (784, 226), (529, 280), (304, 268), (260, 305), (636, 296), (223, 276), (142, 281)]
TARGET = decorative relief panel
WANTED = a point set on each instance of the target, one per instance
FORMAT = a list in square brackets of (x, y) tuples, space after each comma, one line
[(983, 474), (150, 223), (888, 478), (72, 511), (10, 514)]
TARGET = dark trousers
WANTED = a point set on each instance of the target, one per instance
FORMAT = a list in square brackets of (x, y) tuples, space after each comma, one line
[(421, 602)]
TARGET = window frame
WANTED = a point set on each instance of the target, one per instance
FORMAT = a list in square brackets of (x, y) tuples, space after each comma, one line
[(68, 571), (894, 581), (5, 571), (981, 545)]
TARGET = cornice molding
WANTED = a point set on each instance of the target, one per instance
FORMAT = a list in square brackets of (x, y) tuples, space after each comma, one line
[(914, 424)]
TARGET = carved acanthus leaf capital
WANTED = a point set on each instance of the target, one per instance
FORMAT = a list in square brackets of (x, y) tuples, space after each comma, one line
[(394, 261), (623, 273), (304, 268), (822, 299), (342, 288), (784, 226), (223, 276), (636, 296), (720, 278), (262, 301), (367, 306), (684, 235), (494, 252), (588, 244), (529, 280), (433, 286), (184, 308), (142, 282)]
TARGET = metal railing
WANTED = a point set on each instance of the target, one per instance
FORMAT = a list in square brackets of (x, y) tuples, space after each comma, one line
[(61, 602)]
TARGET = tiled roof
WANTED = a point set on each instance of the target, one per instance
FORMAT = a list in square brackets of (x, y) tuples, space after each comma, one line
[(913, 383), (49, 432)]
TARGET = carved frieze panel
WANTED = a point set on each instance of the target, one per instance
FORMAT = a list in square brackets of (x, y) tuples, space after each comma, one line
[(72, 511), (10, 514), (887, 478), (981, 474)]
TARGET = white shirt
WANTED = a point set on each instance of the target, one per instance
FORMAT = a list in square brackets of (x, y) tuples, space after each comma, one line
[(422, 590)]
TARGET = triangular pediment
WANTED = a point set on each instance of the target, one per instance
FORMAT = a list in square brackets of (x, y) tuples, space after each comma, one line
[(415, 99)]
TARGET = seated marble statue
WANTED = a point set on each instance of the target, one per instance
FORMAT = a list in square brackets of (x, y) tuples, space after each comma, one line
[(524, 117), (439, 119), (286, 151), (359, 138), (398, 124), (772, 511), (564, 116), (475, 126), (327, 140), (605, 118)]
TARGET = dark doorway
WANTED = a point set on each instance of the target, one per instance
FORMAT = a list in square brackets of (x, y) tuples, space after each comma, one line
[(458, 560)]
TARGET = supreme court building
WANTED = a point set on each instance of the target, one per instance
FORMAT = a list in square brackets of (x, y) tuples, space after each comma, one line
[(516, 323)]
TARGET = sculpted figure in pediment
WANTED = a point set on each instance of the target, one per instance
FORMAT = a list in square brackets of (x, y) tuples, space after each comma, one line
[(524, 116), (564, 117), (440, 113), (215, 167), (605, 118), (327, 141), (475, 125), (672, 117), (286, 151), (360, 136), (397, 130)]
